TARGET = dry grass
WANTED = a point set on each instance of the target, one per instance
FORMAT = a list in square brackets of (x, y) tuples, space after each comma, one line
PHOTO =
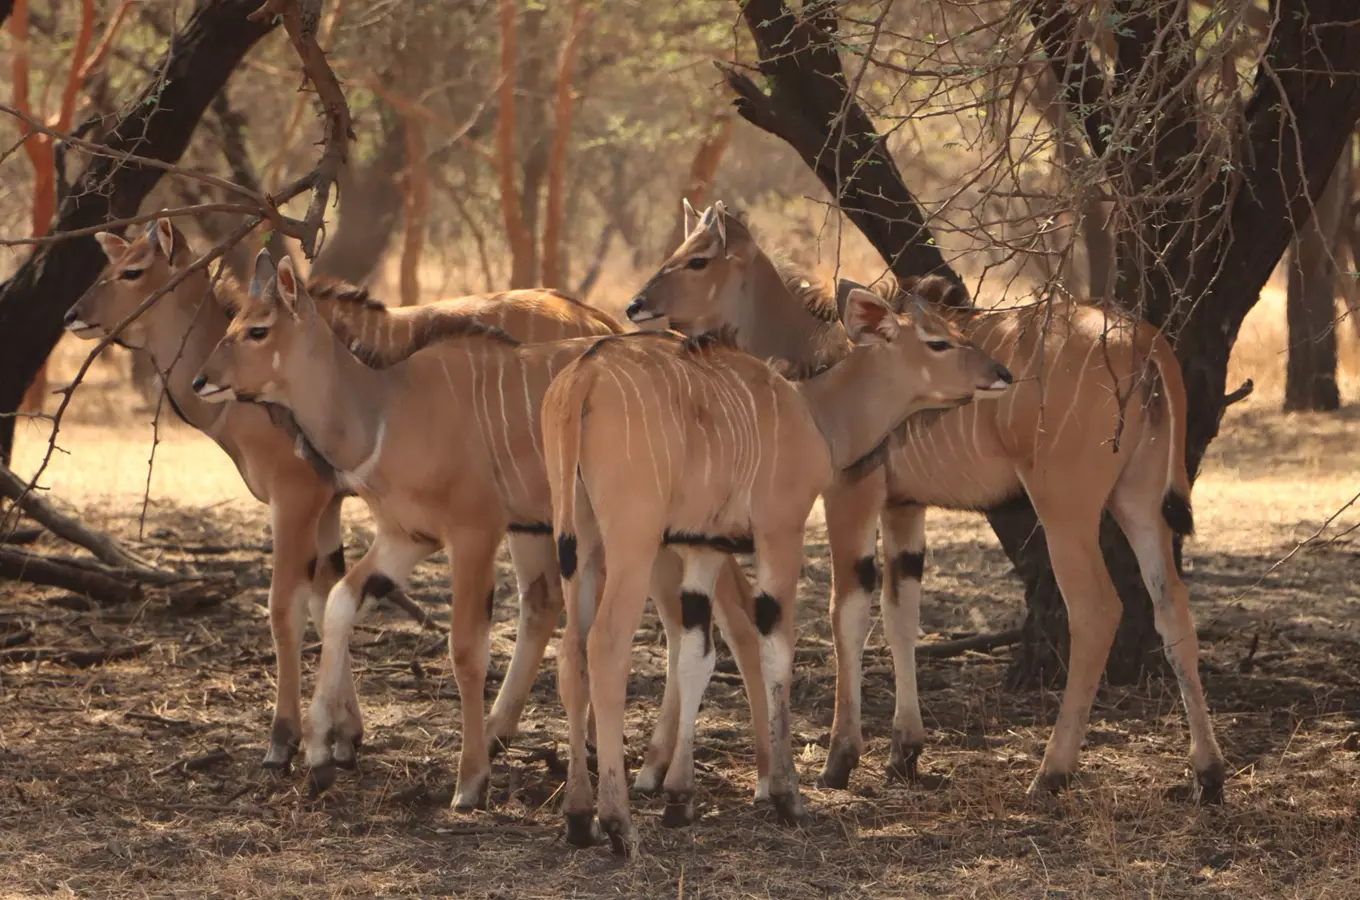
[(85, 811)]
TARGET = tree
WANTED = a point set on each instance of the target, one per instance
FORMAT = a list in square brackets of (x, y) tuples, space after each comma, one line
[(1201, 217), (1310, 373), (157, 124)]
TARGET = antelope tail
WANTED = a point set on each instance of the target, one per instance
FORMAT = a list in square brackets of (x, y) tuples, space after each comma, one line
[(563, 411), (1176, 502)]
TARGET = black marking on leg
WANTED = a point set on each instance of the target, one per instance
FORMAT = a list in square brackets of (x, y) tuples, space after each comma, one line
[(490, 604), (723, 543), (840, 762), (311, 568), (1010, 506), (337, 560), (566, 555), (866, 570), (904, 764), (1176, 511), (377, 585), (696, 612), (679, 811), (1209, 785), (767, 613), (907, 564), (529, 528)]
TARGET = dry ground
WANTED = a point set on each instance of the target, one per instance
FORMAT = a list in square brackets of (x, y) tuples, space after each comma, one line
[(91, 803)]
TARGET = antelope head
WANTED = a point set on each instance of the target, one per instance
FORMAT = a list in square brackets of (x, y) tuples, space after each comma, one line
[(689, 291), (269, 330), (930, 357), (134, 270)]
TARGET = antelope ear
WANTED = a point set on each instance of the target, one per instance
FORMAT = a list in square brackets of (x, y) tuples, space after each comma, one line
[(264, 272), (843, 288), (719, 222), (691, 218), (868, 320), (291, 291), (164, 237), (113, 246)]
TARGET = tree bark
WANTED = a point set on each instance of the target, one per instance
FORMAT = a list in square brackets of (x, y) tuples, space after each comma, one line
[(554, 262), (1310, 373), (415, 204), (523, 266), (159, 124), (370, 207), (1302, 110)]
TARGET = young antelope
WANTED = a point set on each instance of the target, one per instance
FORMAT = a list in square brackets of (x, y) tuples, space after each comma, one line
[(654, 441), (442, 442), (1084, 375)]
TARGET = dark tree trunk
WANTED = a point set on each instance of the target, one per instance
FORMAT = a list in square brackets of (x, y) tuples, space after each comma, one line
[(159, 124), (1310, 374), (1310, 77), (231, 132), (370, 208)]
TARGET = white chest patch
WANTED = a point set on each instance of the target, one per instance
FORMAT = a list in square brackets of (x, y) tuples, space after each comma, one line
[(357, 477)]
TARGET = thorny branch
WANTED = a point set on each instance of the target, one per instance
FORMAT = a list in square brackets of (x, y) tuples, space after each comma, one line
[(300, 20)]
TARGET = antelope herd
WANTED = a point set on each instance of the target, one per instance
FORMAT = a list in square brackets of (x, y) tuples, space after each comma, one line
[(626, 466)]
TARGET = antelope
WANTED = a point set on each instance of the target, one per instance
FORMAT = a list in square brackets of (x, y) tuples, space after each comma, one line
[(441, 441), (179, 331), (1084, 374), (654, 441)]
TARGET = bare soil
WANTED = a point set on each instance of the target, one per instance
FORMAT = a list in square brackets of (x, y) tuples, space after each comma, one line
[(140, 777)]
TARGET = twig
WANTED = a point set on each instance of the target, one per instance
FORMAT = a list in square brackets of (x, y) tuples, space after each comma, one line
[(15, 638), (198, 763), (300, 20), (980, 642), (74, 657), (401, 601), (33, 568), (1243, 392), (114, 224), (21, 536)]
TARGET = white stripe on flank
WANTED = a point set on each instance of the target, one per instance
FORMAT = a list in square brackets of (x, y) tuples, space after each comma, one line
[(511, 456), (531, 415), (753, 419), (646, 429), (692, 407), (623, 396), (359, 475), (483, 417)]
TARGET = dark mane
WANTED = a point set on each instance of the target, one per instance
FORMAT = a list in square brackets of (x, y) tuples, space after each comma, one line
[(426, 331), (704, 341), (324, 287), (894, 438)]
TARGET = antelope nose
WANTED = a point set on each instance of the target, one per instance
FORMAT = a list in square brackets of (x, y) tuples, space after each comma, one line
[(634, 309), (198, 382), (1004, 374), (70, 318)]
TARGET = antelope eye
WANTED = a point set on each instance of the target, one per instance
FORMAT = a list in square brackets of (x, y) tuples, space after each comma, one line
[(697, 263), (131, 274), (257, 333), (938, 346)]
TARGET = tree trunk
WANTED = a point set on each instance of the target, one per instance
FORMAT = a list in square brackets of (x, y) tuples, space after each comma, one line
[(159, 124), (554, 261), (523, 266), (415, 204), (1310, 374), (370, 207)]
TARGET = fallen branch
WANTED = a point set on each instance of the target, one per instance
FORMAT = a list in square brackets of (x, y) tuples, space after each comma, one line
[(979, 642), (63, 526), (401, 601), (21, 536), (53, 571), (300, 20), (15, 638), (72, 656)]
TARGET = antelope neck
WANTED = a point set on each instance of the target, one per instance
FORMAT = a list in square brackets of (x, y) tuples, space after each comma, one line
[(337, 401), (852, 415), (773, 323), (193, 324)]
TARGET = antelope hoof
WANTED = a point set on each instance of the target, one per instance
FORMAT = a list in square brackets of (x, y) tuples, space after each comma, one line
[(789, 806), (581, 829), (840, 762), (648, 782), (679, 810), (1052, 782), (496, 746), (621, 838), (279, 758), (472, 794), (904, 763), (1209, 784), (344, 752), (319, 779)]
